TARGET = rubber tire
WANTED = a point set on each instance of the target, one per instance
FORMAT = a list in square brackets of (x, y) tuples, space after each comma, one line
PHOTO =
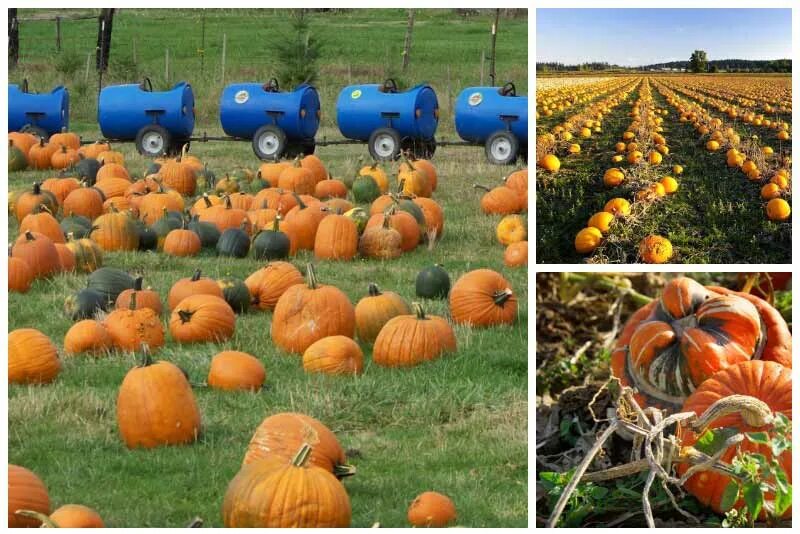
[(282, 143), (35, 130), (155, 128), (391, 132), (513, 149), (302, 148)]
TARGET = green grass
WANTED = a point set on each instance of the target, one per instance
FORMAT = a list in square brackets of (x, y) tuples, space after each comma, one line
[(716, 216), (457, 425)]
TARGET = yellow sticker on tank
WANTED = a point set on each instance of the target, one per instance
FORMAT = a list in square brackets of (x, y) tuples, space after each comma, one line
[(355, 94)]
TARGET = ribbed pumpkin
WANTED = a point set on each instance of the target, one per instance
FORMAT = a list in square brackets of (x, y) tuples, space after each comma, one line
[(434, 217), (115, 231), (330, 188), (267, 284), (202, 318), (483, 298), (334, 355), (26, 491), (378, 174), (279, 435), (500, 200), (87, 336), (40, 154), (76, 516), (31, 200), (431, 509), (271, 244), (225, 216), (23, 141), (42, 221), (516, 254), (155, 406), (278, 199), (32, 357), (298, 179), (270, 172), (381, 241), (113, 186), (274, 493), (182, 242), (405, 224), (408, 340), (60, 187), (766, 381), (414, 181), (38, 252), (336, 239), (308, 312), (518, 181), (315, 166), (64, 158), (511, 229), (68, 139), (194, 285), (672, 345), (20, 275), (145, 298), (305, 218), (179, 176), (423, 165), (85, 201), (66, 259), (152, 205), (133, 329), (232, 370), (375, 310), (94, 149)]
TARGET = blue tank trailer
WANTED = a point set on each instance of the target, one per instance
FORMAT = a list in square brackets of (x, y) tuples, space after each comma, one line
[(41, 114), (285, 123)]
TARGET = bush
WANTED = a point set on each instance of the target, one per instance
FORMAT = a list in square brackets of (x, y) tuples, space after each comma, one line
[(67, 63), (296, 52)]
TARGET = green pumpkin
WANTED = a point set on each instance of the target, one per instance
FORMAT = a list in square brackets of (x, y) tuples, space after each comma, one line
[(77, 225), (257, 185), (172, 220), (16, 158), (236, 294), (86, 169), (148, 238), (409, 207), (348, 180), (233, 242), (85, 304), (360, 217), (433, 283), (208, 232), (365, 190), (110, 282), (271, 244)]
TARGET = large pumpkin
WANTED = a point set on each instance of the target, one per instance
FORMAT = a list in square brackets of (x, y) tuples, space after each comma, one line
[(202, 318), (155, 406), (276, 493), (335, 355), (308, 312), (375, 310), (765, 381), (32, 357), (231, 370), (672, 345), (280, 435), (483, 298), (26, 491), (336, 239), (39, 252), (115, 231), (408, 340), (267, 284)]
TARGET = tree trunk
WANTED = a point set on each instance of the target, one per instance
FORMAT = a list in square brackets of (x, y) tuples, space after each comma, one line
[(13, 38)]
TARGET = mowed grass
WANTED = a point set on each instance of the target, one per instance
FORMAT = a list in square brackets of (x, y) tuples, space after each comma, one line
[(716, 216), (457, 425)]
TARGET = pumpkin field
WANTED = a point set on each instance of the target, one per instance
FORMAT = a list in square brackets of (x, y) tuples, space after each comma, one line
[(320, 341), (655, 168), (663, 400)]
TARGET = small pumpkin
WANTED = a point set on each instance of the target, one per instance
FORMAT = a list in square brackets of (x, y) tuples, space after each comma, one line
[(270, 172), (516, 254), (483, 298), (234, 242), (145, 298), (232, 370), (269, 283), (182, 242), (298, 179), (193, 285), (31, 200), (511, 229), (64, 158), (381, 241), (26, 491), (40, 154), (39, 252), (415, 181), (330, 188), (375, 310), (202, 318), (84, 201), (335, 355), (309, 312), (76, 516), (365, 190), (778, 209), (424, 166), (66, 259), (20, 276), (500, 200), (271, 244), (32, 357), (655, 249), (87, 336), (587, 240), (433, 282), (156, 406), (431, 509), (404, 223), (377, 173), (235, 293), (408, 340), (433, 215), (134, 329)]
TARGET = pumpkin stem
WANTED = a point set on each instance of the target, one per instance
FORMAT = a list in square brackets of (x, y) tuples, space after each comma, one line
[(196, 275), (276, 223), (146, 360), (373, 290), (302, 456), (137, 284), (479, 186), (207, 200), (312, 276), (185, 316), (418, 311), (132, 304), (344, 470), (754, 412), (500, 297), (299, 200), (228, 204), (401, 185), (29, 236), (44, 518), (197, 522), (37, 188)]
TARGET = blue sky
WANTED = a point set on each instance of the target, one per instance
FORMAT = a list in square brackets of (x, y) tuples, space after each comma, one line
[(632, 37)]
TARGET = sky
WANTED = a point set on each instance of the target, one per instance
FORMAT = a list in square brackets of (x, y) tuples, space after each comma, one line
[(633, 37)]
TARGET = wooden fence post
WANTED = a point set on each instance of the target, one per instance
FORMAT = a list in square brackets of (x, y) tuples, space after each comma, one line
[(483, 61), (492, 73), (88, 63), (105, 21), (224, 46), (166, 66), (407, 43), (13, 38), (58, 34), (133, 49)]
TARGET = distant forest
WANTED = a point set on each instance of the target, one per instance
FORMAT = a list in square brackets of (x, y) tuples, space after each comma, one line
[(717, 65)]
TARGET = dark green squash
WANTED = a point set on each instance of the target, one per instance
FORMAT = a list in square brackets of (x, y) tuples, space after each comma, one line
[(148, 239), (408, 206), (233, 242), (86, 169), (257, 185), (110, 282), (271, 244), (365, 189), (433, 283), (208, 232), (17, 161), (172, 220), (236, 294), (77, 225), (85, 304)]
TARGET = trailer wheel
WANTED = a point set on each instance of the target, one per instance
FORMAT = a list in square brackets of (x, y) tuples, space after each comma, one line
[(384, 144), (153, 141), (302, 148), (502, 148), (35, 130), (269, 142)]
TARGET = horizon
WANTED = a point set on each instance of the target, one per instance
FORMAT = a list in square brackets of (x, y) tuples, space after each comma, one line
[(725, 34)]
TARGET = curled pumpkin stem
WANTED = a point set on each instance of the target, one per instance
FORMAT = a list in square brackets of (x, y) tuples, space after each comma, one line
[(754, 412), (44, 518)]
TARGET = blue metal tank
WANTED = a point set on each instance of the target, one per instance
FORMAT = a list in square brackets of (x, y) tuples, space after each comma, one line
[(482, 111), (362, 109), (246, 107), (122, 110), (49, 111)]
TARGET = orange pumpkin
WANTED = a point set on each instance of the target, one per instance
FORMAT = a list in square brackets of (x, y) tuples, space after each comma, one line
[(32, 357), (330, 188), (145, 298), (26, 491), (500, 200), (31, 200), (115, 231), (66, 259), (194, 285), (20, 275), (483, 298), (42, 221), (134, 329), (182, 242), (40, 154), (408, 340), (375, 310), (270, 172), (422, 165), (87, 336), (414, 181), (335, 355), (434, 217), (60, 187), (298, 179), (336, 238), (76, 516), (39, 252), (85, 201), (231, 370), (179, 176), (202, 318), (304, 219), (516, 254), (68, 139), (267, 284), (431, 509), (404, 223)]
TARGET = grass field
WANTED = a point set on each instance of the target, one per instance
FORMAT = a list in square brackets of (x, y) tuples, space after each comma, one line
[(716, 216), (457, 425)]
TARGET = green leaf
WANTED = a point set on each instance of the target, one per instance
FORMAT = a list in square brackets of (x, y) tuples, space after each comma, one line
[(729, 496), (781, 482), (758, 437), (598, 492), (712, 440), (754, 498), (783, 500)]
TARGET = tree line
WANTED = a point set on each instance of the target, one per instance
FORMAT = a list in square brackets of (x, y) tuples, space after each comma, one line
[(716, 65)]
